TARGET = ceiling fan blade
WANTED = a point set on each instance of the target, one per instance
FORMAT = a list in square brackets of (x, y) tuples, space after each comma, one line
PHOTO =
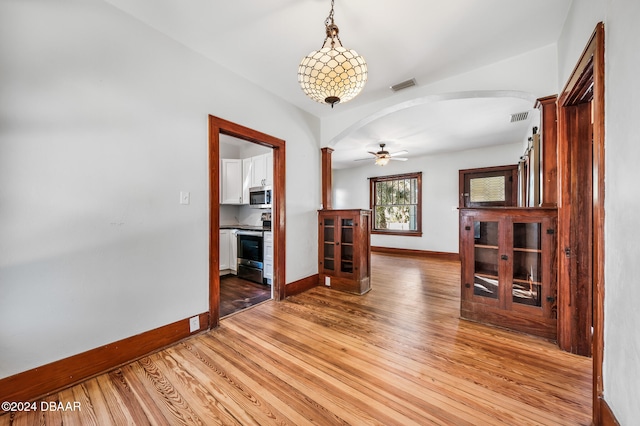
[(398, 158), (372, 153), (399, 153)]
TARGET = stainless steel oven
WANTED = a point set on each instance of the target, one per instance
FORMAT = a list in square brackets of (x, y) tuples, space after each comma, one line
[(250, 255)]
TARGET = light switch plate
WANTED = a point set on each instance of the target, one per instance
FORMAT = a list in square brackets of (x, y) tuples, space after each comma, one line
[(185, 197)]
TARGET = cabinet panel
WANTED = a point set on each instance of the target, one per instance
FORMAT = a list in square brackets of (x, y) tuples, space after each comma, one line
[(233, 250), (508, 259), (268, 256), (230, 181), (268, 179), (344, 254), (224, 250), (246, 179)]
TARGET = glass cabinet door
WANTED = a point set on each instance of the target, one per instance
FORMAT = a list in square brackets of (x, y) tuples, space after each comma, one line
[(346, 250), (485, 278), (329, 244), (527, 264)]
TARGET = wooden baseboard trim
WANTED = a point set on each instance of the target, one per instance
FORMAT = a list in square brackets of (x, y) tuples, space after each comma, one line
[(41, 381), (302, 285), (607, 418), (416, 253)]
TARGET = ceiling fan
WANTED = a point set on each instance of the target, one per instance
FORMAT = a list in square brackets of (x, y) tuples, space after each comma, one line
[(383, 156)]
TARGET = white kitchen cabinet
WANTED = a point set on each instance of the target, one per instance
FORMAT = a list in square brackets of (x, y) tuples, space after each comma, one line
[(268, 179), (246, 179), (262, 170), (268, 256), (225, 249), (231, 181)]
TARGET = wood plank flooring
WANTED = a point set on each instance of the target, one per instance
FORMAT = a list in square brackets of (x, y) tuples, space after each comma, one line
[(398, 355)]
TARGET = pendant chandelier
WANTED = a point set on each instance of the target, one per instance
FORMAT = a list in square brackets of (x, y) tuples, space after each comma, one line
[(332, 74)]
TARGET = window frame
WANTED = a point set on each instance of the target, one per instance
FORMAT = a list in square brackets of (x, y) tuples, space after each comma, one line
[(510, 172), (399, 232)]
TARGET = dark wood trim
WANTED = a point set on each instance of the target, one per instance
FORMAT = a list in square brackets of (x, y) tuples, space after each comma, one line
[(490, 169), (302, 285), (397, 233), (327, 179), (219, 126), (549, 132), (598, 211), (32, 384), (416, 253), (586, 83), (607, 418), (214, 223)]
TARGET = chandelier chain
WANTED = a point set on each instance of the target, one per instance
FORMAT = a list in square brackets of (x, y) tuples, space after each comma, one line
[(331, 29), (329, 19)]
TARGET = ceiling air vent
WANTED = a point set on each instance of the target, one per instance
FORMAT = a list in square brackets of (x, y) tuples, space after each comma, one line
[(404, 85), (521, 116)]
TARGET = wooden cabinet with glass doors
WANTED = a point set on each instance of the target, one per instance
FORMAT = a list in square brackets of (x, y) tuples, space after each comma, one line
[(344, 252), (509, 268)]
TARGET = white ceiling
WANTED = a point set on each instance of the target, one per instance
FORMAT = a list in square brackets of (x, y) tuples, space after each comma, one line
[(264, 41)]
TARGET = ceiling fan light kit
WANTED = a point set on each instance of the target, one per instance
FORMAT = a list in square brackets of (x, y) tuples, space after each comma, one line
[(382, 161), (332, 74), (383, 156)]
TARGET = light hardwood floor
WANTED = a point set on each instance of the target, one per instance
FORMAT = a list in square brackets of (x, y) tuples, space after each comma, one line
[(398, 355)]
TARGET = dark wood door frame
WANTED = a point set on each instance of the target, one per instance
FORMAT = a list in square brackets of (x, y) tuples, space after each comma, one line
[(580, 122), (218, 126)]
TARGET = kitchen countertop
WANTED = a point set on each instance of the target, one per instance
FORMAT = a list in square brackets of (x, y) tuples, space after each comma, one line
[(246, 227)]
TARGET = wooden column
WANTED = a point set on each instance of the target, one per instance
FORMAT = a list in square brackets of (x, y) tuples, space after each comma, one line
[(327, 182), (549, 137)]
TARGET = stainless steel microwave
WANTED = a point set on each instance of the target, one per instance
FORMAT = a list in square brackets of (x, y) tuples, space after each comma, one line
[(260, 197)]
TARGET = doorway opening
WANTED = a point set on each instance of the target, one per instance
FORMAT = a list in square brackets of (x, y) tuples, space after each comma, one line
[(581, 212), (219, 240), (246, 248)]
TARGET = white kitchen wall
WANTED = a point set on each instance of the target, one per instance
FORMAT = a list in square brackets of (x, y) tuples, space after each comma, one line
[(440, 187), (104, 123), (621, 369)]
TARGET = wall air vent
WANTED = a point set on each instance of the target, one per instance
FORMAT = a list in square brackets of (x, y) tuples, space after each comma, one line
[(521, 116), (404, 85)]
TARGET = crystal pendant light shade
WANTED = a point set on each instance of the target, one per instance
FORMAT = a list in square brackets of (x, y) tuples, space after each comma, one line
[(332, 74)]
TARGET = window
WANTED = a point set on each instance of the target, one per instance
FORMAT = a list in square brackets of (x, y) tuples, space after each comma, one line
[(489, 186), (396, 202)]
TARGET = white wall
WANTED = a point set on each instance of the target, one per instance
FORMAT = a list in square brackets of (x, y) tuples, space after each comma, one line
[(104, 122), (581, 21), (440, 187), (621, 369), (622, 250), (533, 72)]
